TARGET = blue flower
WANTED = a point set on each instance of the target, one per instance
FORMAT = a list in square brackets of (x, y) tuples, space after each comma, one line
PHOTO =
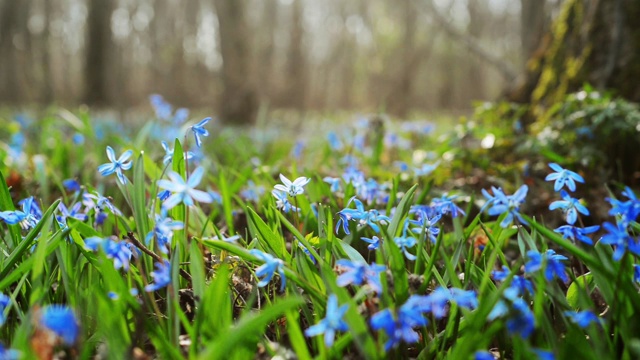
[(163, 231), (252, 192), (437, 301), (445, 205), (331, 323), (570, 206), (73, 213), (71, 185), (583, 318), (636, 273), (61, 321), (168, 156), (364, 217), (334, 141), (562, 177), (160, 106), (116, 166), (199, 130), (292, 188), (554, 265), (27, 218), (184, 192), (373, 242), (428, 224), (575, 233), (619, 237), (120, 252), (519, 283), (161, 276), (501, 203), (358, 273), (334, 182), (270, 266), (520, 318), (4, 302), (282, 201), (483, 355), (400, 328), (8, 354), (627, 211), (405, 242)]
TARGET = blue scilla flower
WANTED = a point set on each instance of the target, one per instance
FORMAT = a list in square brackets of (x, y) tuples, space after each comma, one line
[(582, 318), (333, 182), (119, 251), (270, 266), (8, 354), (71, 185), (563, 176), (625, 211), (358, 273), (162, 108), (28, 217), (374, 242), (161, 276), (554, 268), (576, 233), (199, 130), (425, 169), (428, 224), (252, 192), (618, 236), (61, 321), (519, 283), (334, 142), (282, 201), (184, 192), (445, 205), (364, 217), (116, 165), (4, 303), (437, 302), (331, 323), (570, 206), (399, 327), (74, 212), (509, 204), (483, 355), (292, 188), (163, 231), (520, 319), (168, 156), (405, 242)]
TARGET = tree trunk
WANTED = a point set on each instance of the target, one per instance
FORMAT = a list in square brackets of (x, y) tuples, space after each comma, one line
[(98, 42), (296, 76), (532, 26), (596, 42), (401, 98), (239, 102)]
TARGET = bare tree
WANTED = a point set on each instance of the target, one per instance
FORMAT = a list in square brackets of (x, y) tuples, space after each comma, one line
[(239, 101)]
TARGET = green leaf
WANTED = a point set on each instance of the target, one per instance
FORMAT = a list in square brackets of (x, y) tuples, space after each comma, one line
[(6, 204), (578, 289), (140, 213), (272, 241), (249, 330)]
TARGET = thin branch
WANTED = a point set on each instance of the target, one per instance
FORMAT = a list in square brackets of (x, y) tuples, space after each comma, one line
[(158, 258)]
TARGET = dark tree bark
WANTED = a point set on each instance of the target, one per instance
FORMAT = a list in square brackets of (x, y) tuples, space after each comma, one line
[(239, 101), (400, 100), (596, 42), (98, 43), (13, 64)]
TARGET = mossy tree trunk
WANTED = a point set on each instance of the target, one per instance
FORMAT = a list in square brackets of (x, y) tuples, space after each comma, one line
[(592, 41)]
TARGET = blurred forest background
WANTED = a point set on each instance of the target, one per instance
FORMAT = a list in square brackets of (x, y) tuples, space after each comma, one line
[(365, 55), (394, 56)]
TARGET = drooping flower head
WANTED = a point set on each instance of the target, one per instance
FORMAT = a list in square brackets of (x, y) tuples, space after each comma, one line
[(331, 323), (199, 130), (270, 266), (161, 276)]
